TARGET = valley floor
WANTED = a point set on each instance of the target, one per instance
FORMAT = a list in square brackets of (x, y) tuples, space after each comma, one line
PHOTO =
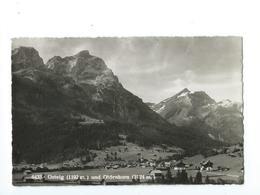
[(129, 175), (113, 176)]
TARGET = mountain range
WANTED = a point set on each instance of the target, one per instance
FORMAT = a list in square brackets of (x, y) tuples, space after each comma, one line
[(69, 105), (222, 121)]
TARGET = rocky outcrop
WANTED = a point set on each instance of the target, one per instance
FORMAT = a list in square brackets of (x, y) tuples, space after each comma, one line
[(26, 57)]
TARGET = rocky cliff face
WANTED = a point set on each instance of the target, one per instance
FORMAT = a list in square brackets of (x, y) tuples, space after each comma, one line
[(222, 121), (26, 57), (109, 100), (83, 68)]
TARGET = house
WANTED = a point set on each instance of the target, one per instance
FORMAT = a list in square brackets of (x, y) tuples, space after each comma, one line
[(161, 165), (143, 160), (115, 166), (84, 158), (155, 174), (232, 155), (206, 165), (42, 165), (180, 166), (66, 164), (167, 164), (152, 164)]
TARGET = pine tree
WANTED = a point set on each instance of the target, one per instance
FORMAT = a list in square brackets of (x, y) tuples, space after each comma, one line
[(115, 154), (178, 177), (184, 177), (168, 176), (198, 178), (207, 181), (191, 180), (107, 157)]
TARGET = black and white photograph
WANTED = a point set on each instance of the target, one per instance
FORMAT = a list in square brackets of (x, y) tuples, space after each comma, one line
[(129, 97), (127, 111)]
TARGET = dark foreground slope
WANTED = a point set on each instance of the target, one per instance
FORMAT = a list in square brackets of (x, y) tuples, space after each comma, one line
[(73, 104)]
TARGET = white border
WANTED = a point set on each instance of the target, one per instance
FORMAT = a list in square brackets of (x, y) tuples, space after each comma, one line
[(49, 18)]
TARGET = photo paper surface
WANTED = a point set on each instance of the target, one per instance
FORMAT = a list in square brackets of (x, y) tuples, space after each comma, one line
[(127, 111)]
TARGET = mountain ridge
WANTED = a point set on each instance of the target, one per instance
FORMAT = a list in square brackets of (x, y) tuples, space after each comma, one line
[(186, 108), (72, 104)]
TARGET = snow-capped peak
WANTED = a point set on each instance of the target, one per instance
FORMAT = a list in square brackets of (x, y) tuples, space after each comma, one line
[(225, 103), (182, 93)]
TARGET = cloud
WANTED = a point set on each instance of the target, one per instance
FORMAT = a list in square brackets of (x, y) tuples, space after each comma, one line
[(155, 68)]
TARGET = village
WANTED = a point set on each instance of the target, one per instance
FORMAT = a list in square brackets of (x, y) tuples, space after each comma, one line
[(142, 166)]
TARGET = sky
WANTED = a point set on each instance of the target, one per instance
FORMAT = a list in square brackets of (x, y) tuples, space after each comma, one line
[(156, 68)]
